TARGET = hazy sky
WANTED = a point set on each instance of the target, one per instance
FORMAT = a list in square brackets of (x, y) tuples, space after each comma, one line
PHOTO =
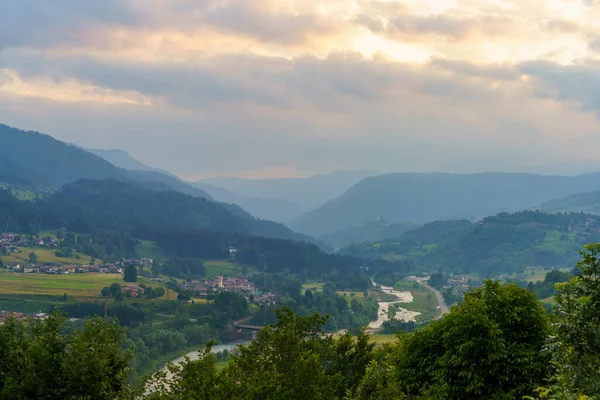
[(263, 88)]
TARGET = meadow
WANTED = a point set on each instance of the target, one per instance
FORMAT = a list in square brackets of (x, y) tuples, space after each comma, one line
[(78, 287), (227, 268), (46, 256), (352, 294), (312, 285)]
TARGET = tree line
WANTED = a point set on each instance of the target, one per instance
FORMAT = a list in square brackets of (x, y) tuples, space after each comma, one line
[(498, 344)]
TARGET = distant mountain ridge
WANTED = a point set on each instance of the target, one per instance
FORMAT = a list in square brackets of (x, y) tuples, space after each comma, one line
[(271, 209), (587, 202), (122, 159), (423, 197), (307, 193)]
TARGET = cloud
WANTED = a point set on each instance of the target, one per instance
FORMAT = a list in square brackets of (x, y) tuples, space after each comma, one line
[(41, 23), (579, 84), (210, 86)]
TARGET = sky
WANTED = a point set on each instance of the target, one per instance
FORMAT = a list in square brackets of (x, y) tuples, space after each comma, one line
[(276, 88)]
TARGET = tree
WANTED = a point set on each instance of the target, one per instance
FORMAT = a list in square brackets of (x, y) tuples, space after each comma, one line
[(2, 264), (93, 261), (39, 360), (292, 361), (130, 273), (576, 343), (33, 258), (114, 288), (489, 347)]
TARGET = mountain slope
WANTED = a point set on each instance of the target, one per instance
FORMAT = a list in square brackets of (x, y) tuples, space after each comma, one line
[(55, 162), (588, 202), (121, 206), (370, 232), (161, 181), (271, 209), (122, 159), (425, 197), (504, 243), (15, 174), (307, 193)]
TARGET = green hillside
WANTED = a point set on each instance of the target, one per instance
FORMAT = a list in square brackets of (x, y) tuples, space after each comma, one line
[(504, 243), (588, 202)]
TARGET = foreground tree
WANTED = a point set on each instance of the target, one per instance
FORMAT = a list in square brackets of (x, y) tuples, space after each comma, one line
[(490, 347), (291, 360), (38, 360), (576, 343)]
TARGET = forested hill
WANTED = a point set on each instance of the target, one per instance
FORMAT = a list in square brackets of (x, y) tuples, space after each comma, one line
[(114, 205), (500, 244), (45, 161), (38, 161), (426, 197), (588, 202)]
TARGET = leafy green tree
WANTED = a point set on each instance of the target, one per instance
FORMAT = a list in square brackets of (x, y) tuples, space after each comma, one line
[(291, 360), (114, 288), (191, 380), (576, 343), (130, 273), (489, 347), (2, 264), (38, 360), (33, 258)]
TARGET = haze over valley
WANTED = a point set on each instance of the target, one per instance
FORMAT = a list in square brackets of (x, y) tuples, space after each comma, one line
[(300, 199)]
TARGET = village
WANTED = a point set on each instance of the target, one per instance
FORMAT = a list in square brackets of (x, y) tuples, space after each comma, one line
[(10, 242), (208, 287)]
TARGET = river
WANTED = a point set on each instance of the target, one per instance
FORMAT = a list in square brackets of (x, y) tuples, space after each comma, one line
[(402, 314)]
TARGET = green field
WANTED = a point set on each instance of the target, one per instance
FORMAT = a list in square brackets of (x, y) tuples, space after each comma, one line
[(46, 256), (348, 294), (77, 286), (533, 276), (311, 285), (380, 338), (404, 285), (227, 268), (146, 248)]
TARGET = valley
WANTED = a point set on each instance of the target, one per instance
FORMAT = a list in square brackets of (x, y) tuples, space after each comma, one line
[(174, 268)]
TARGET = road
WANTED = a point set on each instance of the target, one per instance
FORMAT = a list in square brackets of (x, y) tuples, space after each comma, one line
[(440, 299)]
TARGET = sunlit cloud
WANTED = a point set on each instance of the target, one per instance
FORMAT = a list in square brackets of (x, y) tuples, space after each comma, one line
[(292, 87)]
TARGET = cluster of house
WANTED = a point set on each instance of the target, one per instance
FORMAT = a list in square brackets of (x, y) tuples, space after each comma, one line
[(205, 287), (53, 268), (4, 315), (56, 268), (10, 242), (459, 283)]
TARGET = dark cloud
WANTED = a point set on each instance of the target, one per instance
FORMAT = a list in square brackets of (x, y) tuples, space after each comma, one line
[(334, 84), (46, 23), (594, 45), (578, 83), (40, 23)]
